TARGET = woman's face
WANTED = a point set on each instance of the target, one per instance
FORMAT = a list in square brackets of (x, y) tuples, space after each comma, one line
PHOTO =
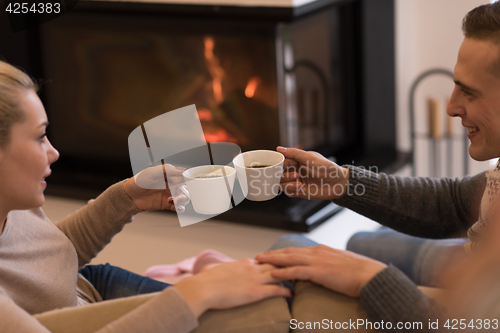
[(25, 161)]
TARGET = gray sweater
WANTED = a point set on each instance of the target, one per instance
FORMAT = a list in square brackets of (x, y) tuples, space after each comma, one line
[(423, 207)]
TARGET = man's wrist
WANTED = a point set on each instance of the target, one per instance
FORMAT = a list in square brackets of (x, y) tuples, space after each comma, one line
[(371, 270), (345, 173)]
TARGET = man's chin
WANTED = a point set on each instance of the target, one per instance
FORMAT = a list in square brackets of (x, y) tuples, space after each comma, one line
[(481, 156)]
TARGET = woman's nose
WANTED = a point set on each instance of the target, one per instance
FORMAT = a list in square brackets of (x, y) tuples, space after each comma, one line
[(52, 153)]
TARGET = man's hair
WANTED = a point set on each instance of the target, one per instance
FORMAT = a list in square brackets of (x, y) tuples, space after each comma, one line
[(483, 23)]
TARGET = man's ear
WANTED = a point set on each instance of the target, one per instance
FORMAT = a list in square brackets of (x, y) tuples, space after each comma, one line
[(3, 153)]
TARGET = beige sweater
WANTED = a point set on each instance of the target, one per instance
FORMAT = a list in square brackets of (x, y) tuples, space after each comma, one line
[(39, 263)]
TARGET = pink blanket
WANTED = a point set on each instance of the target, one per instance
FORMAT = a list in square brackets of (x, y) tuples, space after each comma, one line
[(176, 272)]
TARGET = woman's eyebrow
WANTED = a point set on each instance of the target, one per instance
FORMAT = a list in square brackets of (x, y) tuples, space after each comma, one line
[(44, 124)]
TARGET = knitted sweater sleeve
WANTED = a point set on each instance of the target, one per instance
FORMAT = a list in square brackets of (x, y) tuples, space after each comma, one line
[(424, 207), (168, 312), (93, 226), (391, 297)]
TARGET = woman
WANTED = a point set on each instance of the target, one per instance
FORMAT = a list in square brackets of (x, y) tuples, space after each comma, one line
[(39, 260)]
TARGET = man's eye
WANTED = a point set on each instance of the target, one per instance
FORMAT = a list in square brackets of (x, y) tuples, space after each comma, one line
[(466, 92)]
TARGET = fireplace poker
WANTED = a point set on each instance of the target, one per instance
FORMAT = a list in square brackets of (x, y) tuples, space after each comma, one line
[(435, 134), (449, 141)]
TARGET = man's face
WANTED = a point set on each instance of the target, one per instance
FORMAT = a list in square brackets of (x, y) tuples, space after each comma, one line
[(476, 97)]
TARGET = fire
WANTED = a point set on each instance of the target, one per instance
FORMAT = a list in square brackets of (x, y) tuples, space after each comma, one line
[(214, 69), (212, 132), (219, 135), (204, 115), (252, 85)]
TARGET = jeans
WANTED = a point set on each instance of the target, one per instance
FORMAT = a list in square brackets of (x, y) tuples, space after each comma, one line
[(292, 240), (420, 259), (115, 282)]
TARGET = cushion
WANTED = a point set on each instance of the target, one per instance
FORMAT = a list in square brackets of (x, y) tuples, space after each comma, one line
[(267, 316), (317, 305), (270, 315)]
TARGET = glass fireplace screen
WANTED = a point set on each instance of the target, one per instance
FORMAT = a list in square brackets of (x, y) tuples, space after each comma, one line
[(255, 83), (108, 78)]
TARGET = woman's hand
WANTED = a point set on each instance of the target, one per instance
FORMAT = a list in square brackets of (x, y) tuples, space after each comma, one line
[(310, 175), (148, 189), (342, 271), (229, 285)]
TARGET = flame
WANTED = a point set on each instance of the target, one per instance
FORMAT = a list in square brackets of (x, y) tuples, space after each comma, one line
[(252, 85), (219, 135), (215, 70), (217, 73), (204, 115)]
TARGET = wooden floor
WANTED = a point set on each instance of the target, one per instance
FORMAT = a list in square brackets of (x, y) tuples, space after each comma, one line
[(156, 238)]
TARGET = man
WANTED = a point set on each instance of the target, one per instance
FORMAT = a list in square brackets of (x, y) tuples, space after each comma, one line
[(431, 208)]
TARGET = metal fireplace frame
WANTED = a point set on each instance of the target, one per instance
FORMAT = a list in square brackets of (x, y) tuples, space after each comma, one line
[(373, 96)]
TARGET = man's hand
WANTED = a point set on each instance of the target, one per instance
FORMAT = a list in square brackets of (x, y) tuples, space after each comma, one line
[(342, 271), (309, 175), (148, 189)]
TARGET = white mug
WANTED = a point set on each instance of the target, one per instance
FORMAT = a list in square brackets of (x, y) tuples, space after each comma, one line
[(210, 188), (259, 173)]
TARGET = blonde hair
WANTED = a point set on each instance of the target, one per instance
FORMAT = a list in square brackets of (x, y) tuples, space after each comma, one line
[(13, 82)]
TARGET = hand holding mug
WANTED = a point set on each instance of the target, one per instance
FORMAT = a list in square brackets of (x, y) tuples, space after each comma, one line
[(148, 189), (310, 175)]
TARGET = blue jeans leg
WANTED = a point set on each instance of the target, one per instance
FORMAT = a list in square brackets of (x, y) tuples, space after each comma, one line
[(115, 282), (292, 240), (420, 259)]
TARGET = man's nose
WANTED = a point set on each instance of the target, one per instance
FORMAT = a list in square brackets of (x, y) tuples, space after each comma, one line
[(455, 107)]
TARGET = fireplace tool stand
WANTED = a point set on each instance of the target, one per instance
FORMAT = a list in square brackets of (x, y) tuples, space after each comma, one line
[(435, 135)]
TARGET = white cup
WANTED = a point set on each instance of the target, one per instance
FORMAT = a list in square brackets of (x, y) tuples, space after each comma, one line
[(210, 188), (263, 183)]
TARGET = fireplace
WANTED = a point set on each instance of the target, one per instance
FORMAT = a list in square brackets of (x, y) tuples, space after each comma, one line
[(319, 76)]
